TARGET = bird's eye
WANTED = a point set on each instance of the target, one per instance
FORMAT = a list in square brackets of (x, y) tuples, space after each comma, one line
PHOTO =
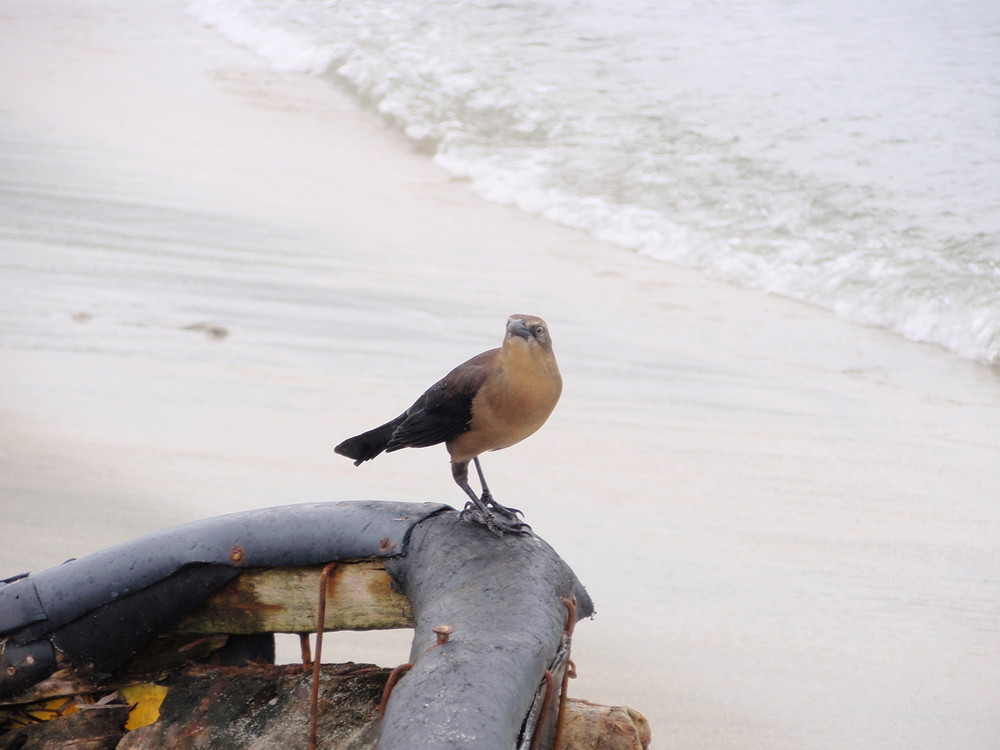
[(539, 330)]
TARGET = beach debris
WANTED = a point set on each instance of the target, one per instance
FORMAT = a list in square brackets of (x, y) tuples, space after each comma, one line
[(215, 591), (231, 708), (75, 723), (211, 330)]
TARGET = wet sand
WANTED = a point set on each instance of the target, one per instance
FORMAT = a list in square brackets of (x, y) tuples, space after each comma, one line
[(789, 524)]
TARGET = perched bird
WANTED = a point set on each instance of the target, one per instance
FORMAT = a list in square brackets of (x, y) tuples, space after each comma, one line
[(496, 399)]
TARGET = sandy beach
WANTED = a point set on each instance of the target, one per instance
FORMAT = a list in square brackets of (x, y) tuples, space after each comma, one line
[(211, 273)]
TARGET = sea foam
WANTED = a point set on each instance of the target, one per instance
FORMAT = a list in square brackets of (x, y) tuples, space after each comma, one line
[(843, 185)]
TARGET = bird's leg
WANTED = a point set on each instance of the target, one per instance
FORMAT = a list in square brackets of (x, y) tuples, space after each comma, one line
[(487, 496), (479, 510)]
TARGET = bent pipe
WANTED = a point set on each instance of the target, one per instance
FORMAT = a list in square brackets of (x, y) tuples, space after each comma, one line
[(99, 609), (504, 599)]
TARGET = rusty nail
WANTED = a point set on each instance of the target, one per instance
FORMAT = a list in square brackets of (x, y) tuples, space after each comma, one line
[(236, 554), (11, 670), (443, 633)]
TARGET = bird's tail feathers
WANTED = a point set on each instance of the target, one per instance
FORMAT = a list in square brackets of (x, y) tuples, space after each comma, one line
[(368, 445)]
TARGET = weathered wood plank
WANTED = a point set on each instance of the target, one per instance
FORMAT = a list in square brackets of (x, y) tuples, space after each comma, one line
[(284, 600)]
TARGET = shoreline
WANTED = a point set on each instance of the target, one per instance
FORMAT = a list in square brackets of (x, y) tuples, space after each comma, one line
[(787, 521)]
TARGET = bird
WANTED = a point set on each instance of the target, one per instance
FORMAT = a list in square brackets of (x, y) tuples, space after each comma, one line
[(490, 402)]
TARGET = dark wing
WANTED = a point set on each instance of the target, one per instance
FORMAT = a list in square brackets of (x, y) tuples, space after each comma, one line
[(445, 410)]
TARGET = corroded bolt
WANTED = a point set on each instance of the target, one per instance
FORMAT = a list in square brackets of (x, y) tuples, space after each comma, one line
[(236, 554), (11, 670), (443, 633), (385, 544)]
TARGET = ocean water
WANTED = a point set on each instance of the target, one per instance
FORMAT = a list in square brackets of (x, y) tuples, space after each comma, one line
[(844, 154)]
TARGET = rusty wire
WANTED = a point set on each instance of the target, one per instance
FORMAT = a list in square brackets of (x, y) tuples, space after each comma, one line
[(549, 685), (570, 671), (320, 622), (389, 685)]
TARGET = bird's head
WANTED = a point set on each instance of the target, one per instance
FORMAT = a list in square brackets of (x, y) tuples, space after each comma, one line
[(527, 330), (528, 360)]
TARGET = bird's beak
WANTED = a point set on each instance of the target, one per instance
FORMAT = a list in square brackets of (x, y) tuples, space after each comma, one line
[(517, 327)]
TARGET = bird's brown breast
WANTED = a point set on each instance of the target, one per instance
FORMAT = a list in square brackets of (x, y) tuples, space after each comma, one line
[(512, 403)]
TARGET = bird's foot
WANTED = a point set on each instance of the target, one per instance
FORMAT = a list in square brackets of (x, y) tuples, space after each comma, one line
[(496, 523), (508, 513)]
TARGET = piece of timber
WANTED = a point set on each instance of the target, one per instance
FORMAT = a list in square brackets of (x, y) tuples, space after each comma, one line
[(284, 600)]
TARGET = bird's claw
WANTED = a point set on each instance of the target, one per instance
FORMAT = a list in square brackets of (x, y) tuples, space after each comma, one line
[(497, 524), (503, 510)]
